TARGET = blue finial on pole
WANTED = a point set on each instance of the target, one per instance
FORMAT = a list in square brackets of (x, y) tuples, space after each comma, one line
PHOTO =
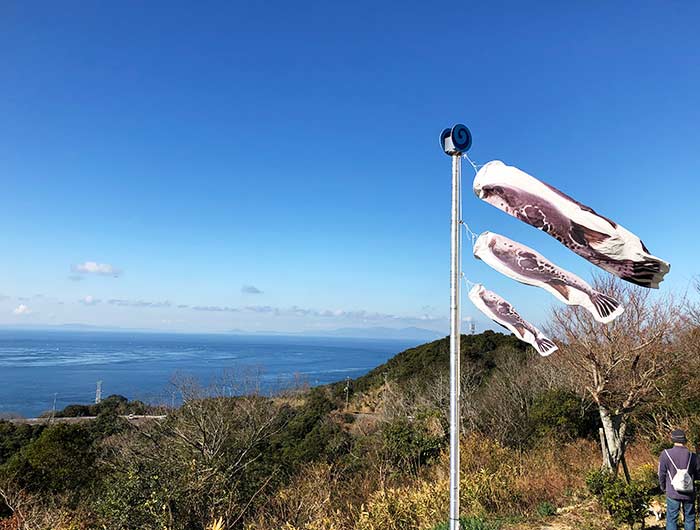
[(456, 141)]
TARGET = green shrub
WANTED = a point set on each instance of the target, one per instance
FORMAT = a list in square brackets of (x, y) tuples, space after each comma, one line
[(413, 443), (648, 478), (132, 500), (308, 434), (15, 436), (627, 503), (114, 404), (597, 480), (61, 459), (559, 414), (546, 509)]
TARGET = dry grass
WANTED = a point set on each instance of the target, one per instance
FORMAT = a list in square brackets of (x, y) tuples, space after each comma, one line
[(495, 481), (217, 525)]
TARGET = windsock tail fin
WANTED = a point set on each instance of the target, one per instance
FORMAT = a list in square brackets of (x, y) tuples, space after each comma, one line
[(545, 346), (607, 308), (648, 273)]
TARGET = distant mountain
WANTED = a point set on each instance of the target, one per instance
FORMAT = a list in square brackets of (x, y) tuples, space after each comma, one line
[(237, 331), (410, 333), (77, 326)]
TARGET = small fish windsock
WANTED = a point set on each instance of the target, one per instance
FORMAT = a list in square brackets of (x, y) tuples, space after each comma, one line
[(503, 313), (528, 266), (578, 227)]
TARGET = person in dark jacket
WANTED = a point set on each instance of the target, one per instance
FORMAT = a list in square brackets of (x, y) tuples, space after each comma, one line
[(670, 461)]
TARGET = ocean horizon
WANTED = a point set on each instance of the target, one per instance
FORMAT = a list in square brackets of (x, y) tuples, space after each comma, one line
[(38, 366)]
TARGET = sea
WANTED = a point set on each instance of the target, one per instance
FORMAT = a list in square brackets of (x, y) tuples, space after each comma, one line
[(43, 370)]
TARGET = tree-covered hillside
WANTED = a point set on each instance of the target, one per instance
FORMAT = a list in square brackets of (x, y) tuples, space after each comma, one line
[(423, 363)]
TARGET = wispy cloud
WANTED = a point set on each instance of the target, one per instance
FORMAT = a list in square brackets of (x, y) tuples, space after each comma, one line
[(339, 314), (76, 278), (265, 309), (294, 311), (139, 303), (215, 308), (22, 309), (89, 300), (250, 289), (92, 267)]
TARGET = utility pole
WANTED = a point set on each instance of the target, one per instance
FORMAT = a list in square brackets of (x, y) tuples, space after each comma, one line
[(53, 407), (347, 392), (98, 393), (454, 142)]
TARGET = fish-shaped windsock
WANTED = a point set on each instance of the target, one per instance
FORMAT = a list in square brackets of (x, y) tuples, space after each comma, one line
[(502, 313), (527, 266), (578, 227)]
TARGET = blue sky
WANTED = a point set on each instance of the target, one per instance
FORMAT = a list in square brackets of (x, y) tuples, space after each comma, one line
[(164, 154)]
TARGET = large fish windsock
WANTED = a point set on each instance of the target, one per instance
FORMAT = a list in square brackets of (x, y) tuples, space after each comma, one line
[(501, 312), (527, 266), (590, 235)]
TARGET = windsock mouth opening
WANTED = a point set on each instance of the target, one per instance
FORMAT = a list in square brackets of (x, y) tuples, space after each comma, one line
[(480, 243), (488, 166), (476, 288), (482, 178)]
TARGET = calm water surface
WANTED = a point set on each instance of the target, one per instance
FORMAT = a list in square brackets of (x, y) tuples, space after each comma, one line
[(36, 366)]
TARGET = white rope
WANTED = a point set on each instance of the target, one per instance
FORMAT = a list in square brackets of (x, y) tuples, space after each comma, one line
[(468, 282), (472, 235), (474, 165)]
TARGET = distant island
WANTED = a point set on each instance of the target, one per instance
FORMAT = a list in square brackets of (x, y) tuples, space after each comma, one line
[(408, 333)]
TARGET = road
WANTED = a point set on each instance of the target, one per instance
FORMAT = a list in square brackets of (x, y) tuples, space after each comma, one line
[(134, 419)]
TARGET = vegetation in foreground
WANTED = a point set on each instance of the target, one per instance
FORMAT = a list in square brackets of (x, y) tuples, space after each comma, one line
[(304, 460)]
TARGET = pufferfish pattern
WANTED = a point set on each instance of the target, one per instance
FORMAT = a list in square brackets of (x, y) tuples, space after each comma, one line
[(577, 226), (504, 314), (528, 266)]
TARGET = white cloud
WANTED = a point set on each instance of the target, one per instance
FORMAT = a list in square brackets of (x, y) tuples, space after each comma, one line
[(92, 267), (89, 300), (22, 309)]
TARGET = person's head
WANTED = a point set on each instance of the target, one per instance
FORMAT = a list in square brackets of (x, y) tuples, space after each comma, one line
[(678, 437)]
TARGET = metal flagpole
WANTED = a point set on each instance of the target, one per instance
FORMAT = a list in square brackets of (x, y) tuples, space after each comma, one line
[(454, 142)]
